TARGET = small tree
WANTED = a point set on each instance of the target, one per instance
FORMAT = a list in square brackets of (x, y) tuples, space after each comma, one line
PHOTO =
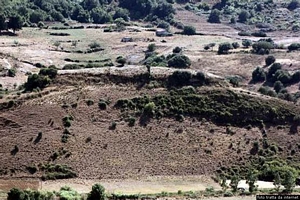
[(97, 193), (189, 30), (258, 75), (235, 45), (289, 181), (15, 23), (3, 24), (179, 61), (251, 178), (12, 72), (149, 108), (121, 60), (244, 16), (278, 86), (151, 47), (247, 43), (270, 60), (214, 16), (177, 50), (272, 70), (224, 48)]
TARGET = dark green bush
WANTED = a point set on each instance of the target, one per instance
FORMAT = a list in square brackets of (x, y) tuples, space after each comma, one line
[(272, 70), (89, 102), (235, 45), (278, 86), (258, 75), (262, 47), (37, 81), (189, 30), (246, 43), (102, 105), (121, 60), (244, 16), (97, 193), (296, 77), (179, 78), (283, 76), (294, 47), (113, 126), (224, 48), (179, 61), (214, 16), (12, 72), (177, 50), (259, 34), (51, 72), (131, 121), (270, 60)]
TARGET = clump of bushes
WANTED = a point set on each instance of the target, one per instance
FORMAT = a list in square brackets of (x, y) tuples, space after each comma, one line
[(41, 80), (53, 172), (189, 30), (17, 194), (178, 61), (67, 193), (258, 75), (224, 48), (294, 47)]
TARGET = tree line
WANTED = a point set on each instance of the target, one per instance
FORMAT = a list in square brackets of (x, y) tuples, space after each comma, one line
[(30, 12)]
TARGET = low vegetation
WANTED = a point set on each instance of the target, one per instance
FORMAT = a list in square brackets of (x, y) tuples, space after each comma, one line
[(221, 107)]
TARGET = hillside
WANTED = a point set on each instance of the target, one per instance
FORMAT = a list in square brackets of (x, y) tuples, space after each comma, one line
[(164, 146)]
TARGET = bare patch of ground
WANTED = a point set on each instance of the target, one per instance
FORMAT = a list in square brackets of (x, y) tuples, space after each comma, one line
[(148, 185)]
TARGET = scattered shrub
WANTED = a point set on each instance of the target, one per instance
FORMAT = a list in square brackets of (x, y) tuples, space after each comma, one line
[(12, 72), (244, 16), (272, 70), (102, 105), (270, 60), (189, 30), (121, 60), (259, 34), (177, 50), (113, 126), (89, 102), (246, 43), (235, 45), (294, 47), (278, 86), (94, 45), (214, 16), (224, 48), (131, 121), (179, 78), (179, 61), (151, 47), (258, 75), (98, 192)]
